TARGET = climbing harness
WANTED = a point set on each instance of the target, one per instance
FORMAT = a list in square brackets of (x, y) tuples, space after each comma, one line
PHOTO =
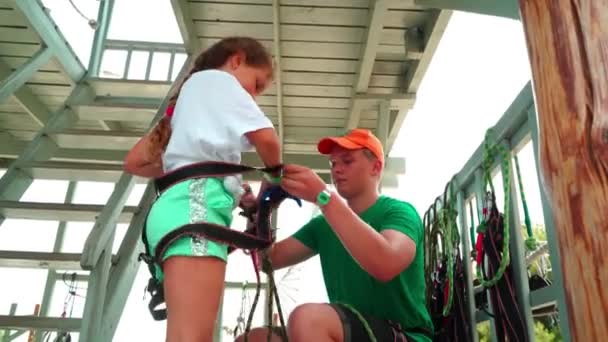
[(446, 295), (493, 250), (257, 237)]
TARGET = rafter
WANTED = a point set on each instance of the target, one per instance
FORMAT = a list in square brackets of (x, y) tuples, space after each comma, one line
[(367, 58), (500, 8), (276, 29), (425, 41), (184, 21)]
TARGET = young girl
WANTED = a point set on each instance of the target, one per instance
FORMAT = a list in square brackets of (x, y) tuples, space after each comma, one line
[(212, 117)]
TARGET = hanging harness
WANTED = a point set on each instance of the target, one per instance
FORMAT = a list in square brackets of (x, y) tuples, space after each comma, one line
[(493, 247), (446, 295), (258, 237)]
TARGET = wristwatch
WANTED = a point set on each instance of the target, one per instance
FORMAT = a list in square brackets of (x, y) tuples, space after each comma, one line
[(323, 197)]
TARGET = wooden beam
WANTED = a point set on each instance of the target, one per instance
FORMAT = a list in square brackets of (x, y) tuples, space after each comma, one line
[(367, 59), (276, 32), (382, 123), (186, 26), (501, 8), (424, 40), (568, 53)]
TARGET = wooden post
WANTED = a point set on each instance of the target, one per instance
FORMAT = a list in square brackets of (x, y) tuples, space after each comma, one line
[(568, 49)]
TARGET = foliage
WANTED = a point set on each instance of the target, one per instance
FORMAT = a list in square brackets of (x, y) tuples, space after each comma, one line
[(541, 332), (483, 330)]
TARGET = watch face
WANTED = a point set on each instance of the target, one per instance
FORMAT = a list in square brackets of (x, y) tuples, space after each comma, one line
[(323, 197)]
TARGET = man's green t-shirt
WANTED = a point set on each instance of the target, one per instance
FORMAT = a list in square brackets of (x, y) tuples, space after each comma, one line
[(402, 299)]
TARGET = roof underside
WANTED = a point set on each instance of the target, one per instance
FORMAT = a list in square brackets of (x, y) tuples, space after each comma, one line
[(342, 64)]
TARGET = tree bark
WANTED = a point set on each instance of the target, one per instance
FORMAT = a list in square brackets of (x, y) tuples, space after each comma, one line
[(568, 49)]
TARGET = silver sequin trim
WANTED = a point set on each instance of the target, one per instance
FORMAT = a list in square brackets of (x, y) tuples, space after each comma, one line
[(198, 213)]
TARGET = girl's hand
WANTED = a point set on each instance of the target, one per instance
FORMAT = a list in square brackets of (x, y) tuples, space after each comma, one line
[(248, 201)]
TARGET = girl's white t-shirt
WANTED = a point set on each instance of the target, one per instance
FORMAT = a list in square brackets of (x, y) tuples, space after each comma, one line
[(211, 116)]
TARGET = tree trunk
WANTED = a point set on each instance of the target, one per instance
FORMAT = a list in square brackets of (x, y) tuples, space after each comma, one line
[(568, 49)]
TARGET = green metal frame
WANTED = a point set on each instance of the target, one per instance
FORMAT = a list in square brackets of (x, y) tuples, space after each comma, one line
[(7, 333), (500, 8), (151, 48), (104, 17), (24, 96), (466, 251), (51, 278), (15, 181), (124, 272), (478, 192), (18, 78), (52, 37)]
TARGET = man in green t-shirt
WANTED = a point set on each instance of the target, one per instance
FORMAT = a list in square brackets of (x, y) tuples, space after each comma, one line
[(370, 246)]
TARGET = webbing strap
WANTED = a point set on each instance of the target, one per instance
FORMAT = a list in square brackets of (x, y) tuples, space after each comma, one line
[(212, 232), (208, 169), (508, 318)]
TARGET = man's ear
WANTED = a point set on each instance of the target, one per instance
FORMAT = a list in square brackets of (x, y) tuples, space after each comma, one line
[(378, 166)]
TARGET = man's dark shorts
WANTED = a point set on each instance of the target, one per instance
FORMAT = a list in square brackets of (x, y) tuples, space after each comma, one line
[(354, 329)]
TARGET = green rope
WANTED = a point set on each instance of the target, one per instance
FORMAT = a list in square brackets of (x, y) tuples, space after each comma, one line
[(368, 329), (491, 152), (441, 229), (472, 230), (530, 241), (447, 219)]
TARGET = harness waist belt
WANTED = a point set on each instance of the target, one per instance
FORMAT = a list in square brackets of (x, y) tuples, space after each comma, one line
[(207, 169)]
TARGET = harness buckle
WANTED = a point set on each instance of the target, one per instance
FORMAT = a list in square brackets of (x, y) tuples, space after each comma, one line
[(145, 257)]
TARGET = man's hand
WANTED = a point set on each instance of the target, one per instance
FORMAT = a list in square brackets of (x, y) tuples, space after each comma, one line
[(302, 182)]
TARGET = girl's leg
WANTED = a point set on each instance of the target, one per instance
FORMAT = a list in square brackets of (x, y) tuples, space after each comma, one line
[(193, 290)]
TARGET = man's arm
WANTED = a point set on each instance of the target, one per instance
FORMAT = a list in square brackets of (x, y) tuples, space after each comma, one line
[(383, 255), (289, 252)]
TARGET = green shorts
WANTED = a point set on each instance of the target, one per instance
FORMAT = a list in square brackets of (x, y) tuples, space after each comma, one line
[(194, 200)]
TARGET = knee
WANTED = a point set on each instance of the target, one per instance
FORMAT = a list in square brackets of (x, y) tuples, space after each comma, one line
[(306, 318), (255, 335)]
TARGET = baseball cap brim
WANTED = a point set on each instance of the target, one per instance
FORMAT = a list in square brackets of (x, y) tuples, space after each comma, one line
[(327, 144)]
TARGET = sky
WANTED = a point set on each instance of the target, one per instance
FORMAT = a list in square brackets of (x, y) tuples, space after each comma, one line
[(478, 69)]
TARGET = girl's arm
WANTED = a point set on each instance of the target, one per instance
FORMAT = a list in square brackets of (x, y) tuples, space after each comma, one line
[(268, 147), (145, 158), (139, 162)]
